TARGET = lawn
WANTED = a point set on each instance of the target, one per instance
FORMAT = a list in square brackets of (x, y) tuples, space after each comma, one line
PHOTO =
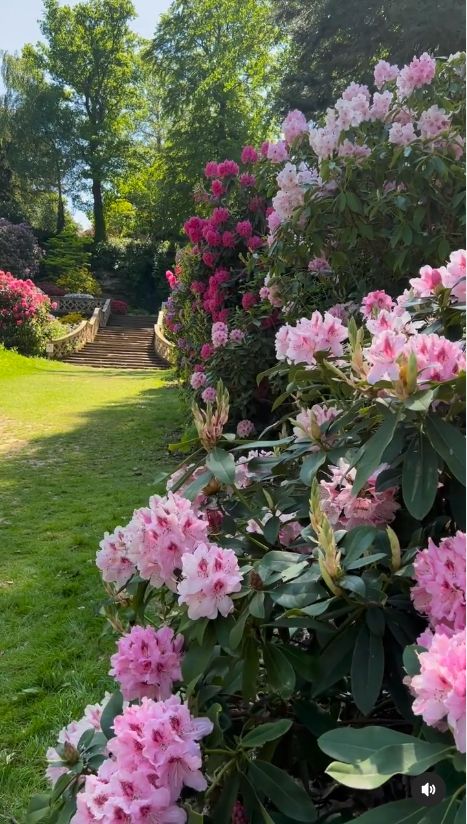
[(79, 450)]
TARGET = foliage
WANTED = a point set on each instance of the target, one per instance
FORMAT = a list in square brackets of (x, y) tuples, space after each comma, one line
[(51, 289), (79, 281), (72, 319), (90, 52), (139, 265), (20, 253), (61, 416), (330, 41), (67, 260), (24, 315), (381, 190), (216, 78)]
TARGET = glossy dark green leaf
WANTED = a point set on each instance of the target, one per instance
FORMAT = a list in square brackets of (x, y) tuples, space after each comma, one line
[(280, 673), (367, 669), (407, 811), (351, 744), (113, 708), (250, 669), (412, 758), (265, 732), (222, 465), (373, 450), (335, 660), (286, 794), (420, 477), (448, 442), (310, 466), (222, 812), (196, 660)]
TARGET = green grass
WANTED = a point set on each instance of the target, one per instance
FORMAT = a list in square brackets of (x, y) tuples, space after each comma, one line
[(79, 450)]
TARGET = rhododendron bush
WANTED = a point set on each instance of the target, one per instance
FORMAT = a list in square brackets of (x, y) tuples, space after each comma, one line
[(291, 611), (24, 315), (214, 313), (373, 189)]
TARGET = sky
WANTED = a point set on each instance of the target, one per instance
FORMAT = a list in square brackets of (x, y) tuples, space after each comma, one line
[(19, 25)]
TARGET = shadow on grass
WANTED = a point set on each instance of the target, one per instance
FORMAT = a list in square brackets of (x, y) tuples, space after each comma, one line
[(59, 493)]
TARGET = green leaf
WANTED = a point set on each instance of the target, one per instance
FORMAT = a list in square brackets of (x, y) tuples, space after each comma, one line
[(196, 660), (297, 594), (193, 489), (407, 811), (250, 668), (222, 812), (237, 631), (310, 466), (256, 606), (375, 620), (448, 442), (266, 732), (350, 744), (357, 541), (113, 708), (407, 759), (288, 796), (367, 669), (420, 477), (353, 202), (313, 717), (281, 676), (194, 817), (411, 660), (271, 529), (335, 660), (222, 465), (373, 451), (303, 661), (39, 808)]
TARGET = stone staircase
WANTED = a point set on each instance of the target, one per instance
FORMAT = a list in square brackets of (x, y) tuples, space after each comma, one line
[(127, 342)]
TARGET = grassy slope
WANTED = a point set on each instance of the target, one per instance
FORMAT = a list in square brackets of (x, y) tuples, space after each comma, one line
[(79, 450)]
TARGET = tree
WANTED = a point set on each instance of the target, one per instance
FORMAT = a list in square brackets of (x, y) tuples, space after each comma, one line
[(42, 145), (215, 64), (89, 54), (331, 42)]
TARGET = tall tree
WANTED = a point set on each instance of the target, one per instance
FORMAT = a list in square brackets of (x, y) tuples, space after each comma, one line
[(89, 53), (215, 64), (332, 42), (42, 145)]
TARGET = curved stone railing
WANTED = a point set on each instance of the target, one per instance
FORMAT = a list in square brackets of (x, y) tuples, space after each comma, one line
[(163, 347), (82, 334), (85, 304)]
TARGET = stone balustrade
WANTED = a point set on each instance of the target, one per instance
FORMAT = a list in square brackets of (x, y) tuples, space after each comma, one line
[(82, 334), (84, 304), (163, 347)]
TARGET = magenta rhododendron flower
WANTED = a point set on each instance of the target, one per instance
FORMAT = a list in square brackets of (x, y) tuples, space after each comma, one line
[(439, 688), (219, 216), (207, 351), (345, 510), (439, 592), (228, 168), (249, 299), (147, 662), (217, 188), (247, 181), (249, 154), (373, 302), (244, 228), (209, 576)]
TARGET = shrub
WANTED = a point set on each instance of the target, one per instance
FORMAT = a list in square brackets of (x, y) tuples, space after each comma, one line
[(140, 266), (72, 319), (288, 566), (24, 315), (67, 262), (118, 307), (20, 253), (79, 281), (51, 289)]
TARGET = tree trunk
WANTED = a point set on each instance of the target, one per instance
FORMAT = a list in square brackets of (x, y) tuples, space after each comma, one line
[(98, 208), (60, 208)]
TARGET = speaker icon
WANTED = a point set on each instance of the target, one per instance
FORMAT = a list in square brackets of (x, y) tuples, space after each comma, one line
[(428, 789)]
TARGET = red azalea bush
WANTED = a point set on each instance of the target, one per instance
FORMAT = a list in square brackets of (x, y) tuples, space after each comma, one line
[(51, 289), (24, 315), (119, 307), (213, 313)]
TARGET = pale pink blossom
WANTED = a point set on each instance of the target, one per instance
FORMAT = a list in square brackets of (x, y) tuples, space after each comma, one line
[(147, 662), (439, 592), (294, 126), (346, 510), (219, 334), (420, 72), (402, 135), (453, 275), (277, 152), (209, 394), (428, 282), (209, 576), (245, 428), (113, 557), (197, 380), (384, 73), (433, 122), (381, 105), (300, 343), (373, 302), (311, 424)]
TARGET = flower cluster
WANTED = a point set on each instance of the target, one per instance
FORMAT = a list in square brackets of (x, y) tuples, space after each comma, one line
[(147, 662), (69, 738), (209, 576), (312, 424), (346, 510), (439, 688), (439, 592), (20, 300), (320, 333), (154, 755)]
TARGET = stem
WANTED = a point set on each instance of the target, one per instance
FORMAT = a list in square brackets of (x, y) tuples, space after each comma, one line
[(218, 777)]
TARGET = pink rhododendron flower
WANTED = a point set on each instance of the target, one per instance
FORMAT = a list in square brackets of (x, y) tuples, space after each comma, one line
[(319, 264), (341, 311), (277, 152), (228, 240), (426, 285), (402, 135), (384, 73), (249, 299), (113, 557), (294, 125), (300, 343), (209, 576), (217, 188), (420, 72), (439, 688), (197, 380), (228, 168), (249, 154), (311, 424), (237, 336), (383, 356), (433, 122), (219, 215), (194, 229), (206, 351), (245, 428), (219, 334), (160, 534), (345, 510), (439, 592), (274, 221), (254, 243), (147, 662), (354, 90), (438, 359), (324, 141), (373, 302), (453, 275), (247, 181), (380, 106), (209, 394), (209, 259), (349, 149)]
